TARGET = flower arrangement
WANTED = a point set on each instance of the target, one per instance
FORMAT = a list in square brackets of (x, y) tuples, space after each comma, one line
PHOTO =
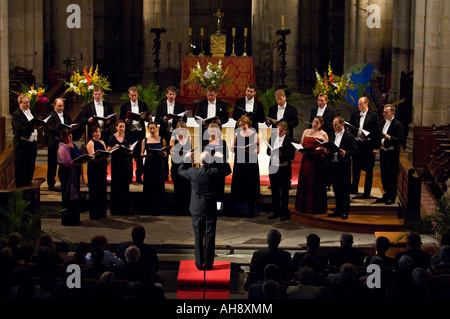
[(335, 87), (214, 74), (83, 83), (34, 95)]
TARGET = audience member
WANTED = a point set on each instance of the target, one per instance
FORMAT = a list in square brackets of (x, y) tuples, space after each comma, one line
[(256, 272), (271, 272), (345, 284), (128, 271), (145, 287), (346, 253), (105, 288), (25, 288), (305, 288), (96, 265), (21, 255), (443, 267), (444, 240), (109, 258), (277, 256), (413, 249), (148, 252), (382, 246), (7, 266), (81, 251), (312, 245)]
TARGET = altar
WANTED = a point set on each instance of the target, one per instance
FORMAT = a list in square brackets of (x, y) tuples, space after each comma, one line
[(240, 69)]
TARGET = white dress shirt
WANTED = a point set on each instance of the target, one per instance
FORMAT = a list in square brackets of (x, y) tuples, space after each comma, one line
[(360, 136), (337, 142), (170, 110), (211, 112), (386, 126), (276, 155), (99, 110), (135, 125), (280, 112), (321, 110), (249, 104), (61, 117)]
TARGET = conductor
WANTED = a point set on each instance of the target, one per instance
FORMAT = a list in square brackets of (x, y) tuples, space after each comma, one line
[(203, 206)]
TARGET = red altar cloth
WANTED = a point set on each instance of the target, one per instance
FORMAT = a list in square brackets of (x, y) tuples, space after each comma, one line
[(240, 70)]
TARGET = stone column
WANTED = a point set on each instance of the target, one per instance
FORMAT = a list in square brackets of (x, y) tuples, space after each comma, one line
[(4, 72), (431, 63)]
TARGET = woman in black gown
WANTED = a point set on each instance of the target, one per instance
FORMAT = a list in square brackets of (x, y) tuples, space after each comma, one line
[(219, 150), (120, 174), (154, 201), (97, 172), (181, 144), (245, 184), (69, 175)]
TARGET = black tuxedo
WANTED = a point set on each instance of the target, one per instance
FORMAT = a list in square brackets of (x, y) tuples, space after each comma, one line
[(290, 117), (203, 208), (89, 111), (365, 158), (389, 158), (280, 176), (202, 111), (258, 110), (328, 116), (341, 173), (25, 152), (164, 131), (53, 144), (135, 135)]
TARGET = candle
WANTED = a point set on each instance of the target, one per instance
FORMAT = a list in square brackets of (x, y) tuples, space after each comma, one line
[(202, 32), (190, 32), (157, 19), (282, 22), (245, 32), (233, 32)]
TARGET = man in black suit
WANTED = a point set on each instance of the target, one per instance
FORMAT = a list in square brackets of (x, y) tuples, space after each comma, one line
[(327, 112), (134, 127), (25, 142), (365, 125), (209, 108), (283, 111), (100, 108), (57, 116), (249, 106), (280, 171), (392, 138), (203, 205), (341, 167), (167, 124)]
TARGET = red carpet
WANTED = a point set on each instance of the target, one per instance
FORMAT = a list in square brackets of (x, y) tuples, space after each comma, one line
[(264, 179), (191, 281)]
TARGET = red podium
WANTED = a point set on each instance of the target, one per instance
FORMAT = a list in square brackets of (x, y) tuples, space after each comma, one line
[(199, 284)]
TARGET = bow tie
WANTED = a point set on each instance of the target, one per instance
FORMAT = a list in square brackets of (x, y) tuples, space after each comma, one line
[(362, 114)]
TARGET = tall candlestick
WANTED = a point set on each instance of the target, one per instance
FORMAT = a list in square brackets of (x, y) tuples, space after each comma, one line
[(233, 32), (190, 32), (245, 32), (282, 22), (202, 32), (157, 19)]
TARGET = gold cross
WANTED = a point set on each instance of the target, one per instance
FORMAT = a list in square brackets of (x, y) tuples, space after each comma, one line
[(219, 16)]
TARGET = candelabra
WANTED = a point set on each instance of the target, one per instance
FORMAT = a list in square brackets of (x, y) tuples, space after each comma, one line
[(202, 53), (282, 49), (233, 54), (245, 48), (156, 49)]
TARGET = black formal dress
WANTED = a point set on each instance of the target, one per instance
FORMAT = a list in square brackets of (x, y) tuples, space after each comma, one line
[(290, 116), (97, 172), (120, 178), (135, 132), (257, 115), (181, 186), (202, 111), (154, 201), (53, 133), (365, 158), (69, 177), (245, 183), (25, 147)]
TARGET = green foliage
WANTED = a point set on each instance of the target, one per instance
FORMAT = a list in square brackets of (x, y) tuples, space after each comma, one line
[(268, 99), (17, 217), (151, 95)]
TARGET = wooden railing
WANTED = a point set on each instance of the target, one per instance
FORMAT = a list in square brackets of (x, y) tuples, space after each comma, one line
[(409, 188)]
